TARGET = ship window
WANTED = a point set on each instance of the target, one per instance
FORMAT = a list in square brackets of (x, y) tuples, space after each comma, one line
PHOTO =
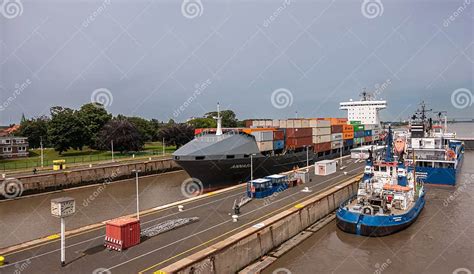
[(383, 168), (200, 157), (230, 156), (246, 155), (176, 157)]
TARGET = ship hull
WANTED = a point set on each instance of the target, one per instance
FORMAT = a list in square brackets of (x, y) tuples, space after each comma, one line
[(224, 172), (377, 226)]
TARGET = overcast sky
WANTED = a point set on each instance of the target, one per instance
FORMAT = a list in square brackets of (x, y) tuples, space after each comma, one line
[(146, 58)]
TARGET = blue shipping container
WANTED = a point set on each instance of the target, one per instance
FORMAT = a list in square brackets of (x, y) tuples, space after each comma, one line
[(368, 132), (359, 134), (349, 142), (279, 144)]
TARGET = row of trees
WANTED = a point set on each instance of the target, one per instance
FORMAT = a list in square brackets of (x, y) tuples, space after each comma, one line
[(94, 127)]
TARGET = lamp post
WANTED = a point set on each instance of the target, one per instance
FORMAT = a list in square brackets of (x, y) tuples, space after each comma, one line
[(251, 166), (112, 147), (136, 187), (61, 208), (42, 155), (163, 146)]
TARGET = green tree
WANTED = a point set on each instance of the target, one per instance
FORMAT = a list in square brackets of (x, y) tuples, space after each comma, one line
[(144, 126), (95, 117), (35, 129), (203, 123), (123, 133), (177, 134), (67, 130), (228, 117)]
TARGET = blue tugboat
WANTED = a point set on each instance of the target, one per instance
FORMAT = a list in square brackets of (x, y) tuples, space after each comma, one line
[(389, 198)]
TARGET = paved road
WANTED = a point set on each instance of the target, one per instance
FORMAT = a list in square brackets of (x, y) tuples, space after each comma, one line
[(85, 252)]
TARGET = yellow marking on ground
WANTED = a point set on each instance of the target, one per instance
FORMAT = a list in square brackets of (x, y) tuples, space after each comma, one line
[(52, 237), (235, 229), (211, 193), (159, 272), (299, 206)]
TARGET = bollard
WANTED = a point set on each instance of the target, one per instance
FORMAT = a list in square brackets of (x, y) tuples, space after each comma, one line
[(4, 175), (234, 218), (306, 189), (2, 260), (345, 172), (149, 158), (90, 165), (133, 156), (180, 208)]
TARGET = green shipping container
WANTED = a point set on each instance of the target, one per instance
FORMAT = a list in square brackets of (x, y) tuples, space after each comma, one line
[(355, 122), (359, 127)]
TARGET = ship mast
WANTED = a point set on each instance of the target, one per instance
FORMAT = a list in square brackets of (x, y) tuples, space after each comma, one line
[(219, 121)]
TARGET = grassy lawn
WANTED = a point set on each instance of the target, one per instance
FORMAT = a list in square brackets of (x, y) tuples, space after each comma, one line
[(85, 156)]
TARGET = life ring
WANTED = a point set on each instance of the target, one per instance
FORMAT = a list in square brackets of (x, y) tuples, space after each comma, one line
[(450, 154)]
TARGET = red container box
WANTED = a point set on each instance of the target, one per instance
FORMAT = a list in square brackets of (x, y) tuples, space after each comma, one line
[(298, 142), (122, 233), (322, 147), (336, 129), (299, 132), (278, 135)]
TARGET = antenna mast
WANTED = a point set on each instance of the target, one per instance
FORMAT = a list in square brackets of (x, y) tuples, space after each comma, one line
[(219, 121)]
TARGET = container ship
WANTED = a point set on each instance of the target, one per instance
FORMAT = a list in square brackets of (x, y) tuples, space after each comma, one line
[(437, 154), (227, 156)]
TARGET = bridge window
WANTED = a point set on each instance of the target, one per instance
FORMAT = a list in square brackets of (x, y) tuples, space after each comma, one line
[(230, 156), (200, 157)]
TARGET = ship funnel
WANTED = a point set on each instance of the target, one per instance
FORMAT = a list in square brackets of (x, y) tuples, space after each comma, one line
[(219, 121)]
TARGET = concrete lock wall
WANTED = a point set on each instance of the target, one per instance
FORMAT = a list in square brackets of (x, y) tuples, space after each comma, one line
[(59, 180), (243, 248)]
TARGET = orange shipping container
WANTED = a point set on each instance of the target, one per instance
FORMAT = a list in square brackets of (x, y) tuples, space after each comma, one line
[(348, 135), (337, 121), (250, 130), (347, 128)]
